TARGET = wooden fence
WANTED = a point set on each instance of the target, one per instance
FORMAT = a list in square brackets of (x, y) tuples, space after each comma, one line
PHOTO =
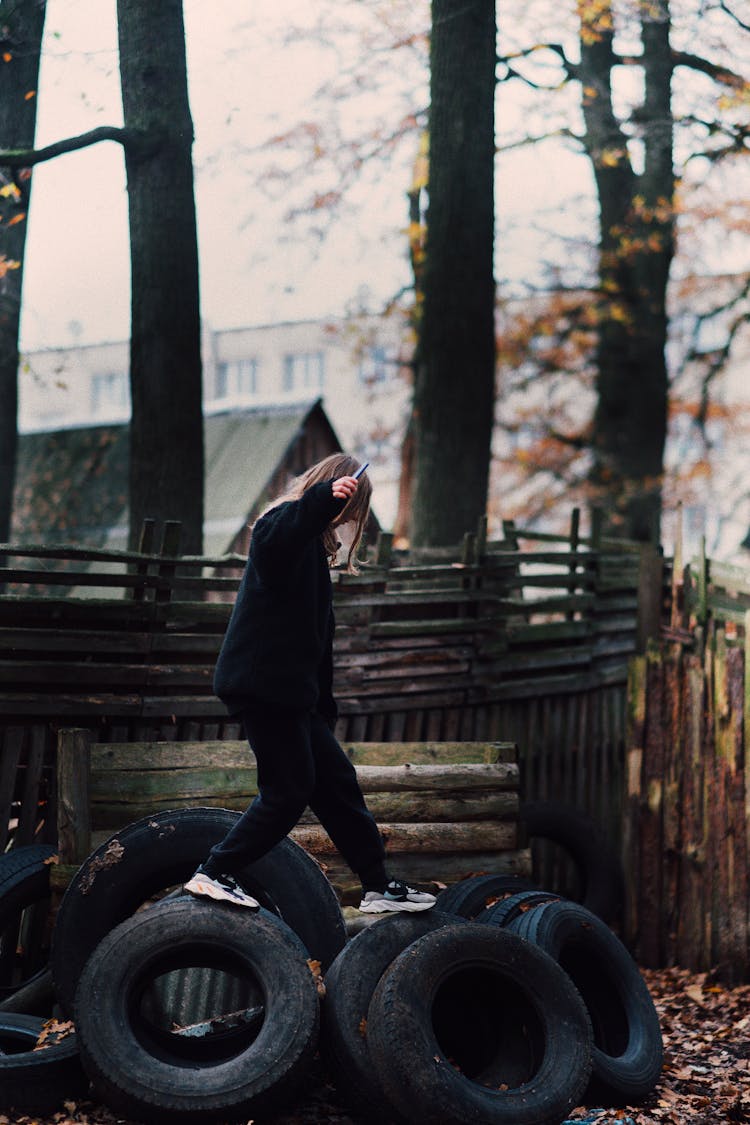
[(687, 810), (525, 639)]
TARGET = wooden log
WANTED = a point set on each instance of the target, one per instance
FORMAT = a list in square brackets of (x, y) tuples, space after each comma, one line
[(163, 784), (479, 836), (73, 816), (180, 784), (226, 754), (499, 775), (420, 806)]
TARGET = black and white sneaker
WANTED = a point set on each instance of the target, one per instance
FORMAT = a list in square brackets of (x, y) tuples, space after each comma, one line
[(396, 896), (224, 888)]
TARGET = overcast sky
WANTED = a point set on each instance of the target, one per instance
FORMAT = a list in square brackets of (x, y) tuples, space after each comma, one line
[(246, 83)]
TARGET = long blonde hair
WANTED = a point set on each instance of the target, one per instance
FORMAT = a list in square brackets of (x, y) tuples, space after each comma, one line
[(356, 510)]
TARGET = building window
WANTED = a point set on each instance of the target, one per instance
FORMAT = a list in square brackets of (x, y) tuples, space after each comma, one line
[(303, 371), (109, 393), (373, 367), (237, 378)]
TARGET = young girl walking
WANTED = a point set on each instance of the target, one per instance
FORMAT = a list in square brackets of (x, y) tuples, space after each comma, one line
[(275, 672)]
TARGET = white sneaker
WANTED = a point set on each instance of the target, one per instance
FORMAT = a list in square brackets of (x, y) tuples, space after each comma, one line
[(224, 888), (396, 896)]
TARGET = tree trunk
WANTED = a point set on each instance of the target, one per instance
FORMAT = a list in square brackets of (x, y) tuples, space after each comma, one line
[(455, 364), (21, 33), (166, 433), (635, 253)]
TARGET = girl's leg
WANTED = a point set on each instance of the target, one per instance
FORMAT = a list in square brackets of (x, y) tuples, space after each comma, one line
[(281, 743), (339, 805)]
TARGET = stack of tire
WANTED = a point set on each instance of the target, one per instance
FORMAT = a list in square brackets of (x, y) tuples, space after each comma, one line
[(183, 1010), (505, 1005), (508, 1015)]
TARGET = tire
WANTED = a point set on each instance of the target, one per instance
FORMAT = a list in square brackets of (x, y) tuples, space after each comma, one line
[(350, 983), (628, 1051), (504, 911), (470, 896), (37, 1081), (474, 1025), (159, 852), (598, 867), (138, 1075), (24, 904)]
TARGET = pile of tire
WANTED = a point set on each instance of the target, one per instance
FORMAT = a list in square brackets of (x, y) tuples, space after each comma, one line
[(183, 1010), (504, 1005), (508, 1015)]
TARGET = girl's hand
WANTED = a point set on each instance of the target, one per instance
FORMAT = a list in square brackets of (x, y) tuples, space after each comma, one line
[(344, 488)]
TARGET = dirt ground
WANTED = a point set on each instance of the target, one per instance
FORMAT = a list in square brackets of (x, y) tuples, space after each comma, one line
[(706, 1078)]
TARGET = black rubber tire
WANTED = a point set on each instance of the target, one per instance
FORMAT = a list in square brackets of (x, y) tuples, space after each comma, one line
[(350, 983), (162, 851), (474, 1025), (595, 859), (504, 911), (628, 1051), (24, 883), (469, 897), (37, 1081), (143, 1081)]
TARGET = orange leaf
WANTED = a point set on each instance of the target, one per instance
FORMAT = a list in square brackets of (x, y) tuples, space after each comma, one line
[(29, 95), (7, 56), (17, 219)]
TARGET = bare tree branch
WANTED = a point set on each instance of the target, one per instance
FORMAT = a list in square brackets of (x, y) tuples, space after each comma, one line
[(128, 138), (570, 68), (715, 359), (720, 74), (733, 15)]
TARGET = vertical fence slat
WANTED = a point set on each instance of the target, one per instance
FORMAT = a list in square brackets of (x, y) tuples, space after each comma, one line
[(651, 841), (691, 952)]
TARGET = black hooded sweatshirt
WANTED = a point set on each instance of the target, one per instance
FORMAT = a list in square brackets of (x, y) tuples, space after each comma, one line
[(278, 647)]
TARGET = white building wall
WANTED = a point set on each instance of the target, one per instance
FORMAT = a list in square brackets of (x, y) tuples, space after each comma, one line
[(358, 368)]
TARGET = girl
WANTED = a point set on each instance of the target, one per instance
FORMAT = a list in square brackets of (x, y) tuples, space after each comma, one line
[(275, 671)]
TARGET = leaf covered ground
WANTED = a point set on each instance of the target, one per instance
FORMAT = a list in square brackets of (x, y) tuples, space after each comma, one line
[(706, 1078)]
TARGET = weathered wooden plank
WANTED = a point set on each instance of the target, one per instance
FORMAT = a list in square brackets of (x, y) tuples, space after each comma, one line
[(62, 706), (73, 795), (12, 744), (226, 754), (417, 806), (650, 943), (423, 838), (163, 784), (54, 640), (166, 784), (691, 952), (28, 818), (48, 674)]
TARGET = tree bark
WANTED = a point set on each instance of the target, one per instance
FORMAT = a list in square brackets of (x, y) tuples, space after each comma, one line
[(455, 363), (21, 32), (635, 254), (166, 432)]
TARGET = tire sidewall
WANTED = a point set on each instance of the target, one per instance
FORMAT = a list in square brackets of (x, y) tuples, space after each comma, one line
[(424, 1083), (164, 850), (125, 1072)]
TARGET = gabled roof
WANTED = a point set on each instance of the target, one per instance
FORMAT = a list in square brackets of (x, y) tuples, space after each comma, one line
[(72, 485)]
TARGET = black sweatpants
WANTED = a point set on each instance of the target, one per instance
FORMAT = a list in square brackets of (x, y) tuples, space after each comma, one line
[(300, 763)]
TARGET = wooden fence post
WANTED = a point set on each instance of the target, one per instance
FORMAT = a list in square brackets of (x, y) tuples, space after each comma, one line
[(73, 800), (170, 545), (145, 547), (650, 579)]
